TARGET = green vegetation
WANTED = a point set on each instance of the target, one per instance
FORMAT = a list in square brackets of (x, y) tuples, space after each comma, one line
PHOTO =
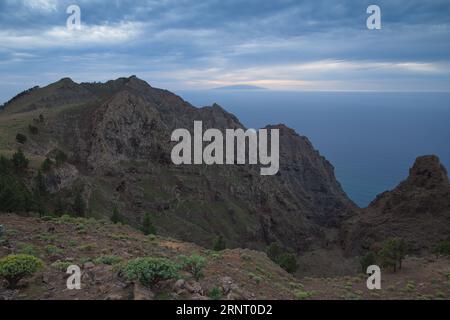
[(14, 195), (149, 271), (215, 294), (147, 225), (282, 257), (219, 244), (193, 264), (53, 250), (13, 268), (61, 265), (302, 295), (108, 260), (20, 162), (392, 253), (116, 217), (444, 247), (367, 260), (29, 249), (79, 207)]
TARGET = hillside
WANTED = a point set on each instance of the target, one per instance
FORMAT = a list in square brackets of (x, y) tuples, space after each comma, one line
[(101, 248), (116, 136)]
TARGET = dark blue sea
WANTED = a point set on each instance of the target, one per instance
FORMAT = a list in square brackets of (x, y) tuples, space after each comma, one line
[(371, 138)]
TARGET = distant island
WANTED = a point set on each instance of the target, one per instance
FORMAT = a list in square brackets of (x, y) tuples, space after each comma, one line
[(240, 87)]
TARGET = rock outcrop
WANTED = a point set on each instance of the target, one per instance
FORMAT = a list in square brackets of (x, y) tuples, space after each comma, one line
[(417, 210)]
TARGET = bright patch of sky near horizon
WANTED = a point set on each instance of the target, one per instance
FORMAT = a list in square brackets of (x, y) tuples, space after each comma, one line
[(190, 44)]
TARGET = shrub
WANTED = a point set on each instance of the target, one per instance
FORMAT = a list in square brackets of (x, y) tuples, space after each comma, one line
[(13, 268), (147, 225), (219, 244), (215, 294), (61, 265), (21, 138), (108, 260), (193, 264), (274, 250), (53, 250), (29, 249), (149, 271), (367, 260), (302, 295)]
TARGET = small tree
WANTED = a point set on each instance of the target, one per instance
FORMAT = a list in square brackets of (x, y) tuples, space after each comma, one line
[(147, 225), (116, 217), (21, 138), (392, 253), (288, 262), (20, 162), (219, 244), (367, 260), (274, 250), (79, 207), (13, 268)]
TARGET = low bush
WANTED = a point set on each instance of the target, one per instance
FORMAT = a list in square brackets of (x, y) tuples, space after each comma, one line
[(149, 271), (13, 268), (108, 260), (193, 264)]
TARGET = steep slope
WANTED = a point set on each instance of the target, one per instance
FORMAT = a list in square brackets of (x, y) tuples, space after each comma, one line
[(417, 210), (118, 143)]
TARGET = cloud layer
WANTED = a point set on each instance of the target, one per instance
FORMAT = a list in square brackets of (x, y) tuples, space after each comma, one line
[(186, 44)]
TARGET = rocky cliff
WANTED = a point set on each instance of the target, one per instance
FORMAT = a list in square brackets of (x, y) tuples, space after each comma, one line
[(117, 137)]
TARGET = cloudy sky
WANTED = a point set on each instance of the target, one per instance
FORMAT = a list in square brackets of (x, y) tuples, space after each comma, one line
[(200, 44)]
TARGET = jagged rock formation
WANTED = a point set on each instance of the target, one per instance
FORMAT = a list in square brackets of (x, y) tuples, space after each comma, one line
[(417, 210), (117, 136)]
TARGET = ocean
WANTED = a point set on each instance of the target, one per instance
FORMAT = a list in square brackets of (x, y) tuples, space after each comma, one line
[(371, 138)]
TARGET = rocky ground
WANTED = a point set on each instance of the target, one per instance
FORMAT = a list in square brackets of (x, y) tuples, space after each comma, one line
[(234, 274)]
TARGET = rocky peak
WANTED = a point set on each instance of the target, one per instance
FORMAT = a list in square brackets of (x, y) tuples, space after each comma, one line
[(427, 172)]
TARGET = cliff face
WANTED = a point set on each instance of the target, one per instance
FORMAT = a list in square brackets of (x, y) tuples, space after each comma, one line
[(117, 136), (417, 210)]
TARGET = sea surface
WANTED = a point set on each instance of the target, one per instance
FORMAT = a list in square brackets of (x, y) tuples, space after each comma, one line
[(371, 138)]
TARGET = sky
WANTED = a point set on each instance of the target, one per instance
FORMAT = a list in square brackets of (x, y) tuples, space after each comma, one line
[(202, 44)]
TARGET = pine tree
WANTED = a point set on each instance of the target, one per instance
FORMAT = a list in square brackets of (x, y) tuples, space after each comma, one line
[(19, 161), (116, 218), (147, 225), (79, 207), (219, 244)]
